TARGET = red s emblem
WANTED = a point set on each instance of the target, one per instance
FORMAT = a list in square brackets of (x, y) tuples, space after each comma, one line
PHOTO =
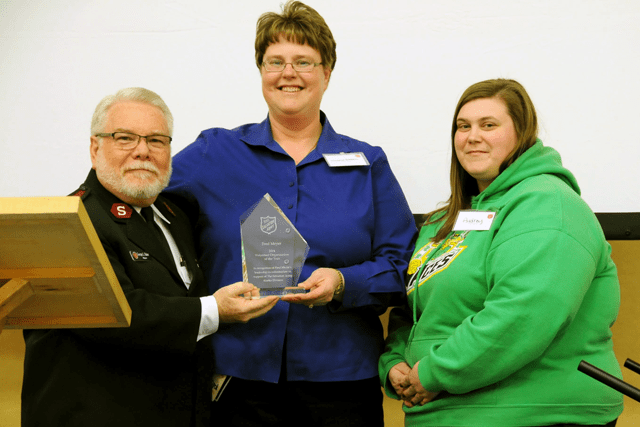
[(120, 210)]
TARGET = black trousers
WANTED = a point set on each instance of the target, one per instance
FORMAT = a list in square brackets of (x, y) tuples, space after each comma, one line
[(611, 424), (299, 403)]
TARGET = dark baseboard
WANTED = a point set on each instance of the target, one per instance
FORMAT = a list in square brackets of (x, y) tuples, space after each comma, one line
[(620, 226)]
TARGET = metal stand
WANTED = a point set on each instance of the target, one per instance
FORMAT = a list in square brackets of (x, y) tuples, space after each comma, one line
[(610, 380)]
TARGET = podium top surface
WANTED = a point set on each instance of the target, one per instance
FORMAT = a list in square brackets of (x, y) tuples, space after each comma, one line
[(51, 243)]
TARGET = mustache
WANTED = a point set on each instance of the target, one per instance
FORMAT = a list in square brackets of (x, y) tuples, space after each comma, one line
[(145, 165)]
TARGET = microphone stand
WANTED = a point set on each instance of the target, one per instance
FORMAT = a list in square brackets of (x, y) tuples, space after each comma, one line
[(610, 380)]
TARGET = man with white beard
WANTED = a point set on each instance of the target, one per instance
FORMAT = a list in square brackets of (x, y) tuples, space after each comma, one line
[(157, 372)]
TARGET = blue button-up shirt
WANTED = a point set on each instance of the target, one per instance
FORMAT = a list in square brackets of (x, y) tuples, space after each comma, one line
[(355, 219)]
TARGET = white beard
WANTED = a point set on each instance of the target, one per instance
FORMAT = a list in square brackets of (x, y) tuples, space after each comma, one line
[(116, 179)]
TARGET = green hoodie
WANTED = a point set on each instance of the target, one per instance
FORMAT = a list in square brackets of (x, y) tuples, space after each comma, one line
[(502, 318)]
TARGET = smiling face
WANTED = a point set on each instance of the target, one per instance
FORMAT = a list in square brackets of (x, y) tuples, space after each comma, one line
[(484, 138), (290, 93), (135, 176)]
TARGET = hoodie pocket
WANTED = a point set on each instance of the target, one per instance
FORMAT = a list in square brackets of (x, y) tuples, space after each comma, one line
[(419, 348)]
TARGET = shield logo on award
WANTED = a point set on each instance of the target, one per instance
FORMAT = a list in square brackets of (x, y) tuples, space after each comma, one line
[(268, 224)]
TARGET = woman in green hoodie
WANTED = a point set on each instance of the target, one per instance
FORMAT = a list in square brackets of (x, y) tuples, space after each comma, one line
[(510, 286)]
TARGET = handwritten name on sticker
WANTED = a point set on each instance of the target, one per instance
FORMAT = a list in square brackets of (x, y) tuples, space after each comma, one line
[(474, 220)]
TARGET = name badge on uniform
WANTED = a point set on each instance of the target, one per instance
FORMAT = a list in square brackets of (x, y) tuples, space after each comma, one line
[(139, 256), (345, 159), (474, 220)]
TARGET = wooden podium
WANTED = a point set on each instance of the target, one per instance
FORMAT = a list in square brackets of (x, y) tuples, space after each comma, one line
[(54, 272)]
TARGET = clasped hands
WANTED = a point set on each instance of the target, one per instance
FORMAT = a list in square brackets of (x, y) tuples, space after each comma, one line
[(406, 383)]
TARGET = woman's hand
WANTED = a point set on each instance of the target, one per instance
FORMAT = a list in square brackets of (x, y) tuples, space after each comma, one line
[(414, 393), (322, 286), (399, 378)]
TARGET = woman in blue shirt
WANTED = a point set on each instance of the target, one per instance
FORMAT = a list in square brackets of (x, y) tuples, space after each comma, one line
[(313, 358)]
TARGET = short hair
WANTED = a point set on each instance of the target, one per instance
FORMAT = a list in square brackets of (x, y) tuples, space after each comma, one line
[(525, 121), (138, 94), (298, 23)]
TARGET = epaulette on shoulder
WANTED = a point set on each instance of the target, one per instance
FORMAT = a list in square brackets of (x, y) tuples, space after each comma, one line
[(166, 205), (81, 192)]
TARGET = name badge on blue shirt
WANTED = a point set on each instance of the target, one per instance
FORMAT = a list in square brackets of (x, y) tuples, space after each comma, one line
[(474, 220), (345, 159)]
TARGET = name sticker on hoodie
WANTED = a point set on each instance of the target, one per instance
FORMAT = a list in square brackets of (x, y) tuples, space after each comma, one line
[(474, 220)]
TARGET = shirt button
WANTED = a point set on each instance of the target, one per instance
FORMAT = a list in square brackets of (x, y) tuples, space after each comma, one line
[(291, 206), (291, 184)]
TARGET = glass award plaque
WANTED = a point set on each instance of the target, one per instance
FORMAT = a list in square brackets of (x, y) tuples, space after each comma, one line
[(273, 251)]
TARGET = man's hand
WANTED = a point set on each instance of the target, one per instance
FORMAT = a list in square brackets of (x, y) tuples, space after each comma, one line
[(236, 306)]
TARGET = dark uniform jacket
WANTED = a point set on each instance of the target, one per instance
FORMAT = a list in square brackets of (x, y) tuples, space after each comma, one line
[(154, 373)]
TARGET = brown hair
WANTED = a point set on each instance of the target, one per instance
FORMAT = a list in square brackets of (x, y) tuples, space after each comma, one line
[(298, 23), (464, 186)]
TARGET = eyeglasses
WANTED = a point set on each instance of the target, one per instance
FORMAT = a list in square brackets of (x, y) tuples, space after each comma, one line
[(129, 141), (300, 65)]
